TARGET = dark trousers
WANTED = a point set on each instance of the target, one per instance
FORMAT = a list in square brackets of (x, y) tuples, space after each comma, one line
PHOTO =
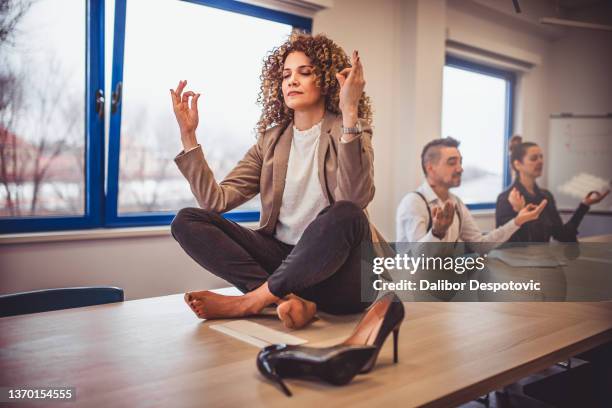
[(323, 267)]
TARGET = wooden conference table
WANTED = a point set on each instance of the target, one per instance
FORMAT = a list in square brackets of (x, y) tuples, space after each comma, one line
[(154, 352)]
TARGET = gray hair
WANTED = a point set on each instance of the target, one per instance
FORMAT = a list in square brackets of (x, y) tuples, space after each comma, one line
[(431, 151)]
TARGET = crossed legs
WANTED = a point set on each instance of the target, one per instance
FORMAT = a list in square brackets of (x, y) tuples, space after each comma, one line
[(322, 269)]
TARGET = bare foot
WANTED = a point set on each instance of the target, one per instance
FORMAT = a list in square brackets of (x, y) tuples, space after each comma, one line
[(190, 302), (296, 312), (209, 305)]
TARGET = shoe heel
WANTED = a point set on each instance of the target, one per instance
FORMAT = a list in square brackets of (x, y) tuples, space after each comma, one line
[(395, 337), (283, 386)]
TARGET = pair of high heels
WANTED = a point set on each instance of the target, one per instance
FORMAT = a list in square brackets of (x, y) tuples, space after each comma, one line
[(340, 363)]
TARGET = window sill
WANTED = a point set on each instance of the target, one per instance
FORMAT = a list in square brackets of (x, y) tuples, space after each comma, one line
[(92, 234)]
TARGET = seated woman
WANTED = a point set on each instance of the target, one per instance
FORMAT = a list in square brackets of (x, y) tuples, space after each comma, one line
[(312, 165), (527, 161)]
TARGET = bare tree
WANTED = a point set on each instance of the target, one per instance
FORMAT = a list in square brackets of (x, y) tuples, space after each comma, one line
[(51, 98), (11, 12), (144, 166), (11, 95), (51, 128)]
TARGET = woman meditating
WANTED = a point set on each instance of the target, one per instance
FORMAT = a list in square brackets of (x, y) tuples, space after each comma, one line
[(312, 165), (527, 160)]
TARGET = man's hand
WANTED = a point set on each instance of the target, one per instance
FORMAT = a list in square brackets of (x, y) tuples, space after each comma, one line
[(594, 197), (530, 212), (516, 200), (186, 115), (441, 219)]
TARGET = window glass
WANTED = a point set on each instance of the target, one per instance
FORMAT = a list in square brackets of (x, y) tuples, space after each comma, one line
[(42, 108), (220, 54), (474, 112)]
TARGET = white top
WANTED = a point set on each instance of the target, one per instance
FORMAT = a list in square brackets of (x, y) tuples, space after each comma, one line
[(303, 197), (412, 220)]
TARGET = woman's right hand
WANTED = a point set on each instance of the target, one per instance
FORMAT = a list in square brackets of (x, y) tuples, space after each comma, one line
[(186, 114), (516, 200)]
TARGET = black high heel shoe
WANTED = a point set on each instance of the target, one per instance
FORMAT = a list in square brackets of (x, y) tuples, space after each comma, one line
[(337, 364), (382, 317)]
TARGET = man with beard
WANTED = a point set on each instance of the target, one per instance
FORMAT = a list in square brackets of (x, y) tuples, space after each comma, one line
[(433, 214)]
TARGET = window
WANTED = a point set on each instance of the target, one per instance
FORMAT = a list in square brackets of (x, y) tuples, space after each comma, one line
[(477, 111), (50, 149), (55, 138)]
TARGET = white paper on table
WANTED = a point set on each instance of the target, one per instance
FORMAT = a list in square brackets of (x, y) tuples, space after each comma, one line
[(256, 334), (579, 186)]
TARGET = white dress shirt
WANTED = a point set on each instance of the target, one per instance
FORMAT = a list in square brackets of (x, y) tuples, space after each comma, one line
[(412, 220)]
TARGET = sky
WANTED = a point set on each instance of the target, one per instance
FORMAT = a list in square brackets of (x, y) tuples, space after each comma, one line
[(474, 113), (50, 51)]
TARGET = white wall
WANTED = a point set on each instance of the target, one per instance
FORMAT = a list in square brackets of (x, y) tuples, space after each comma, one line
[(402, 44), (571, 74), (581, 62), (406, 82), (580, 81), (347, 24), (506, 36), (143, 267), (402, 49)]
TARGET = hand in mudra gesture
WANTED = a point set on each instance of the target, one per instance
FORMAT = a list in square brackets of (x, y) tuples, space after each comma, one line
[(530, 212), (516, 200), (352, 83), (441, 219), (595, 197), (186, 113)]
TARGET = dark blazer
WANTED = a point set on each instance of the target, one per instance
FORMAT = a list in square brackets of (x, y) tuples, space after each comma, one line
[(548, 225)]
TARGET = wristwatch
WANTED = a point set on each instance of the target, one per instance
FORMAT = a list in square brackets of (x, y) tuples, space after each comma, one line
[(352, 130)]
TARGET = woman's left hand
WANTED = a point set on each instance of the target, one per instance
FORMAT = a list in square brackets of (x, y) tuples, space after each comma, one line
[(351, 88), (594, 197)]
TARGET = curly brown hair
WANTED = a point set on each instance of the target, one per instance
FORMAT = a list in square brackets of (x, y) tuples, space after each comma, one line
[(327, 58)]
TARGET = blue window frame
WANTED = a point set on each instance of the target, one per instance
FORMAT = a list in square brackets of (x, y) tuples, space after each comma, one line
[(101, 208), (509, 79), (94, 140)]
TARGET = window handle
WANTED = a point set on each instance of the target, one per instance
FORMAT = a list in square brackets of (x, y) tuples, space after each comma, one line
[(116, 97), (100, 103)]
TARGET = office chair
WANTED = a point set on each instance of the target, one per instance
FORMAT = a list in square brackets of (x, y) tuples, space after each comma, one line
[(55, 299)]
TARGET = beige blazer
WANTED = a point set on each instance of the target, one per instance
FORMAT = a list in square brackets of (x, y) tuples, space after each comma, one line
[(346, 172)]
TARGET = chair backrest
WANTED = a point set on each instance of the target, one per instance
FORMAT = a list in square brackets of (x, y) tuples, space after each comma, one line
[(55, 299)]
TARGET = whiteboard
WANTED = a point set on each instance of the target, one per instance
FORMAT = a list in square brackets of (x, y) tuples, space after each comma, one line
[(579, 145)]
